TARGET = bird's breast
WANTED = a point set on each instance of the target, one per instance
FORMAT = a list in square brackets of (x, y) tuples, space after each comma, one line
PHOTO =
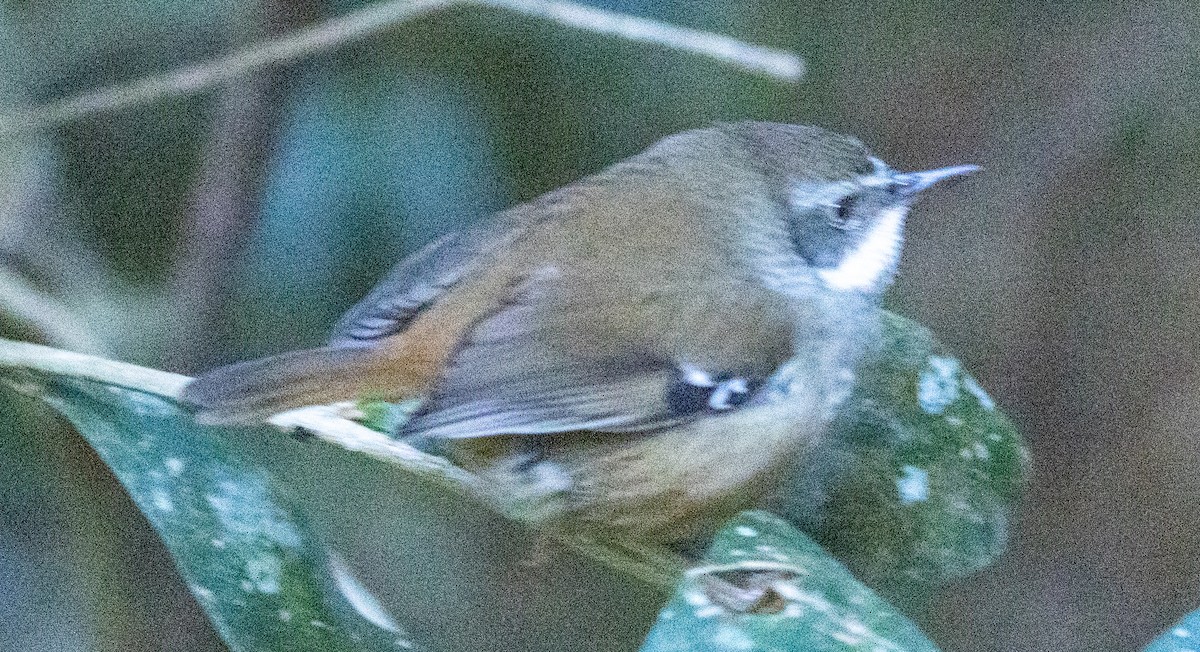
[(669, 486)]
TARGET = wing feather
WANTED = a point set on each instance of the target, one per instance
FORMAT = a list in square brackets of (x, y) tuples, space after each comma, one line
[(419, 280), (537, 366)]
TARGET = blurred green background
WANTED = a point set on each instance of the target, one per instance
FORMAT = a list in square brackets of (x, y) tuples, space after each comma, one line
[(241, 221)]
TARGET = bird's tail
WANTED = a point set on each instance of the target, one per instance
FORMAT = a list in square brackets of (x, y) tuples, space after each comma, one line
[(249, 392)]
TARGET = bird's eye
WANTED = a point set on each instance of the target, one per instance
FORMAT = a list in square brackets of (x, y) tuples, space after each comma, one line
[(843, 213)]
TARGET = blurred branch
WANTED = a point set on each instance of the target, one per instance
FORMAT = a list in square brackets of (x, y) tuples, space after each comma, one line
[(752, 58), (358, 25), (220, 216), (224, 204), (43, 314)]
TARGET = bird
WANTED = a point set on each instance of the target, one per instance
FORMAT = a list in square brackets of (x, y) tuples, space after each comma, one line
[(639, 354)]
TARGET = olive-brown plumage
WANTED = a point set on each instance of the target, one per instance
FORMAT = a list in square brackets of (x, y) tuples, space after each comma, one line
[(601, 352)]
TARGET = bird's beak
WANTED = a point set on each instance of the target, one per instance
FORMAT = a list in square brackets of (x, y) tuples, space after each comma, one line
[(911, 183)]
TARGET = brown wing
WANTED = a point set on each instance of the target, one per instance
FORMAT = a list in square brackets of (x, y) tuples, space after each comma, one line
[(417, 282), (559, 358), (391, 345)]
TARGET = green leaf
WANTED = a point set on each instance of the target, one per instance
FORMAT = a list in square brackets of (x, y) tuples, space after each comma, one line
[(925, 473), (242, 549), (1183, 637), (803, 599)]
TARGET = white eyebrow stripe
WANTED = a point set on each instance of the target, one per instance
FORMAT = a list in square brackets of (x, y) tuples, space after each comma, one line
[(880, 179), (865, 267)]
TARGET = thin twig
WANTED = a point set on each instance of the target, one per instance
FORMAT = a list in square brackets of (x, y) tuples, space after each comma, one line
[(757, 59), (44, 359), (358, 25)]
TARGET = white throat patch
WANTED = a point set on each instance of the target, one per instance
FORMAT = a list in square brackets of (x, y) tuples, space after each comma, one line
[(865, 268)]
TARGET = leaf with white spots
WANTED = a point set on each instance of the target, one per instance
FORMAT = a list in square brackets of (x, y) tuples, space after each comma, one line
[(923, 471), (763, 585), (240, 547)]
